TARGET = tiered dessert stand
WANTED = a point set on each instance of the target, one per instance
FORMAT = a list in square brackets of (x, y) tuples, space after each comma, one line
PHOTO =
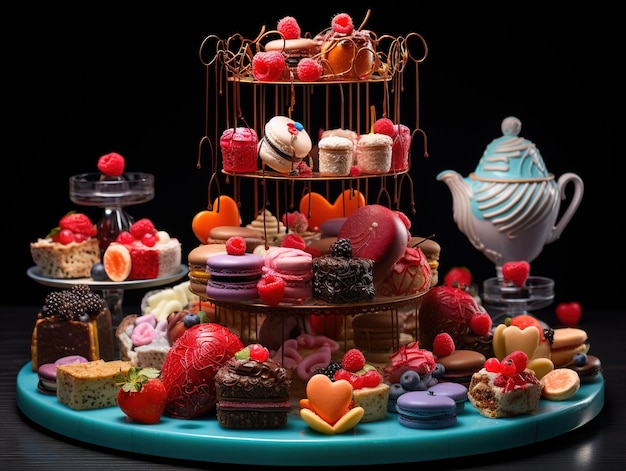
[(113, 196)]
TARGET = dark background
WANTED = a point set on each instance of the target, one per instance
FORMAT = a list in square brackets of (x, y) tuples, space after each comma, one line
[(84, 82)]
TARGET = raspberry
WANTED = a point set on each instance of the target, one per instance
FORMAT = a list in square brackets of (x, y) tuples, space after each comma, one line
[(141, 227), (125, 237), (342, 23), (288, 27), (111, 165), (385, 126), (371, 378), (236, 245), (271, 289), (268, 66), (258, 352), (353, 360), (443, 345), (149, 240), (493, 365), (78, 223), (294, 241), (309, 70), (519, 359), (480, 323), (355, 171)]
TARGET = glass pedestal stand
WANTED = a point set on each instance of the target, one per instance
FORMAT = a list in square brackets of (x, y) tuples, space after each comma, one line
[(501, 301)]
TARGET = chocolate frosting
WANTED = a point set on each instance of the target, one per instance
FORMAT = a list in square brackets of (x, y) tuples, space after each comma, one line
[(251, 379)]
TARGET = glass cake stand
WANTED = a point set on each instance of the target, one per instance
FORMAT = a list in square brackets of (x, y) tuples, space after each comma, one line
[(512, 301)]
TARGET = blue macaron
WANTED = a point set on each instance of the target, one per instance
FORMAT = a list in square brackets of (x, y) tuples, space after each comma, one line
[(426, 410), (456, 391)]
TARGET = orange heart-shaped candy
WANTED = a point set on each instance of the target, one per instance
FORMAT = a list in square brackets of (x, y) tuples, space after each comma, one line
[(225, 212), (321, 210), (330, 400)]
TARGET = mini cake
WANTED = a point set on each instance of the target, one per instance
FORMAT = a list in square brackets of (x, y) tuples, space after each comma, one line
[(90, 385), (294, 266), (401, 136), (270, 227), (336, 155), (373, 153), (252, 391), (411, 357), (347, 53), (190, 366), (75, 321), (142, 253), (410, 275), (239, 150), (69, 250), (505, 388), (284, 145), (340, 278), (142, 340)]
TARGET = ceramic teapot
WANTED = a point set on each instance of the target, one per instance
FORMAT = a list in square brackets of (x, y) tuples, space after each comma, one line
[(508, 207)]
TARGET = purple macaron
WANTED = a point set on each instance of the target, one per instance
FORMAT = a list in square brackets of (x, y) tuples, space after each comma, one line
[(426, 410), (47, 373), (234, 277)]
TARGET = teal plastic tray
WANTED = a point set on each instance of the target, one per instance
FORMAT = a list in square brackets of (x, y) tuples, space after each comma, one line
[(379, 442)]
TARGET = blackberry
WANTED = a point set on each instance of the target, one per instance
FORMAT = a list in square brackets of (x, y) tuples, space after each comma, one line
[(77, 303), (330, 370), (341, 248)]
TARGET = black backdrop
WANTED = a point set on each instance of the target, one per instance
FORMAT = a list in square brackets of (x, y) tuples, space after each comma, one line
[(80, 83)]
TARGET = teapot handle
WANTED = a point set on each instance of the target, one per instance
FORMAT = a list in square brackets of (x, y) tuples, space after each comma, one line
[(563, 181)]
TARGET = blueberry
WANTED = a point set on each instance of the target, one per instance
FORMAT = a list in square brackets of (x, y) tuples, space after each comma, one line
[(191, 319), (439, 370), (396, 390), (580, 359), (410, 380), (98, 273)]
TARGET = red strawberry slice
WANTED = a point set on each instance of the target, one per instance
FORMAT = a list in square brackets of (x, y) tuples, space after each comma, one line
[(516, 272), (190, 365)]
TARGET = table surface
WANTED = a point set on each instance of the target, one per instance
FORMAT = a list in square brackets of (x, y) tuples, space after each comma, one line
[(596, 445)]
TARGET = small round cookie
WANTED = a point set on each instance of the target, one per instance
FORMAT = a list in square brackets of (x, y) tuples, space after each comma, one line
[(220, 234), (425, 410), (588, 369), (560, 384), (197, 258), (461, 365)]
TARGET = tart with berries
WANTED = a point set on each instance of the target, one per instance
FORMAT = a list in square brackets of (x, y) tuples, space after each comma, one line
[(69, 250)]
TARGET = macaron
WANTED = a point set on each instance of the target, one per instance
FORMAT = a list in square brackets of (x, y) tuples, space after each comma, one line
[(234, 277), (456, 391), (432, 250), (460, 365), (588, 367), (566, 342), (47, 373), (220, 234), (330, 227), (284, 145), (197, 258), (426, 410)]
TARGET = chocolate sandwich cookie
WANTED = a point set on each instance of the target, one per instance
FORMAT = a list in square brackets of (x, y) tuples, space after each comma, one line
[(588, 367)]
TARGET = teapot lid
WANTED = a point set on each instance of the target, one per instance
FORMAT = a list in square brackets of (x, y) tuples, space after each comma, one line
[(511, 157)]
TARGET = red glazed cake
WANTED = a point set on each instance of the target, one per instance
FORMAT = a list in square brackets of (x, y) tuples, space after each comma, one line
[(239, 150)]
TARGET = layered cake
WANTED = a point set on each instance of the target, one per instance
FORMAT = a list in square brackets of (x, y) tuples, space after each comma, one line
[(342, 278), (252, 391), (69, 250), (142, 253), (75, 321)]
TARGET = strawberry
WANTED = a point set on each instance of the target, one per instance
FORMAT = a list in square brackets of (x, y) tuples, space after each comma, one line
[(353, 360), (569, 313), (458, 277), (480, 323), (443, 345), (78, 223), (516, 272), (142, 395), (112, 164)]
